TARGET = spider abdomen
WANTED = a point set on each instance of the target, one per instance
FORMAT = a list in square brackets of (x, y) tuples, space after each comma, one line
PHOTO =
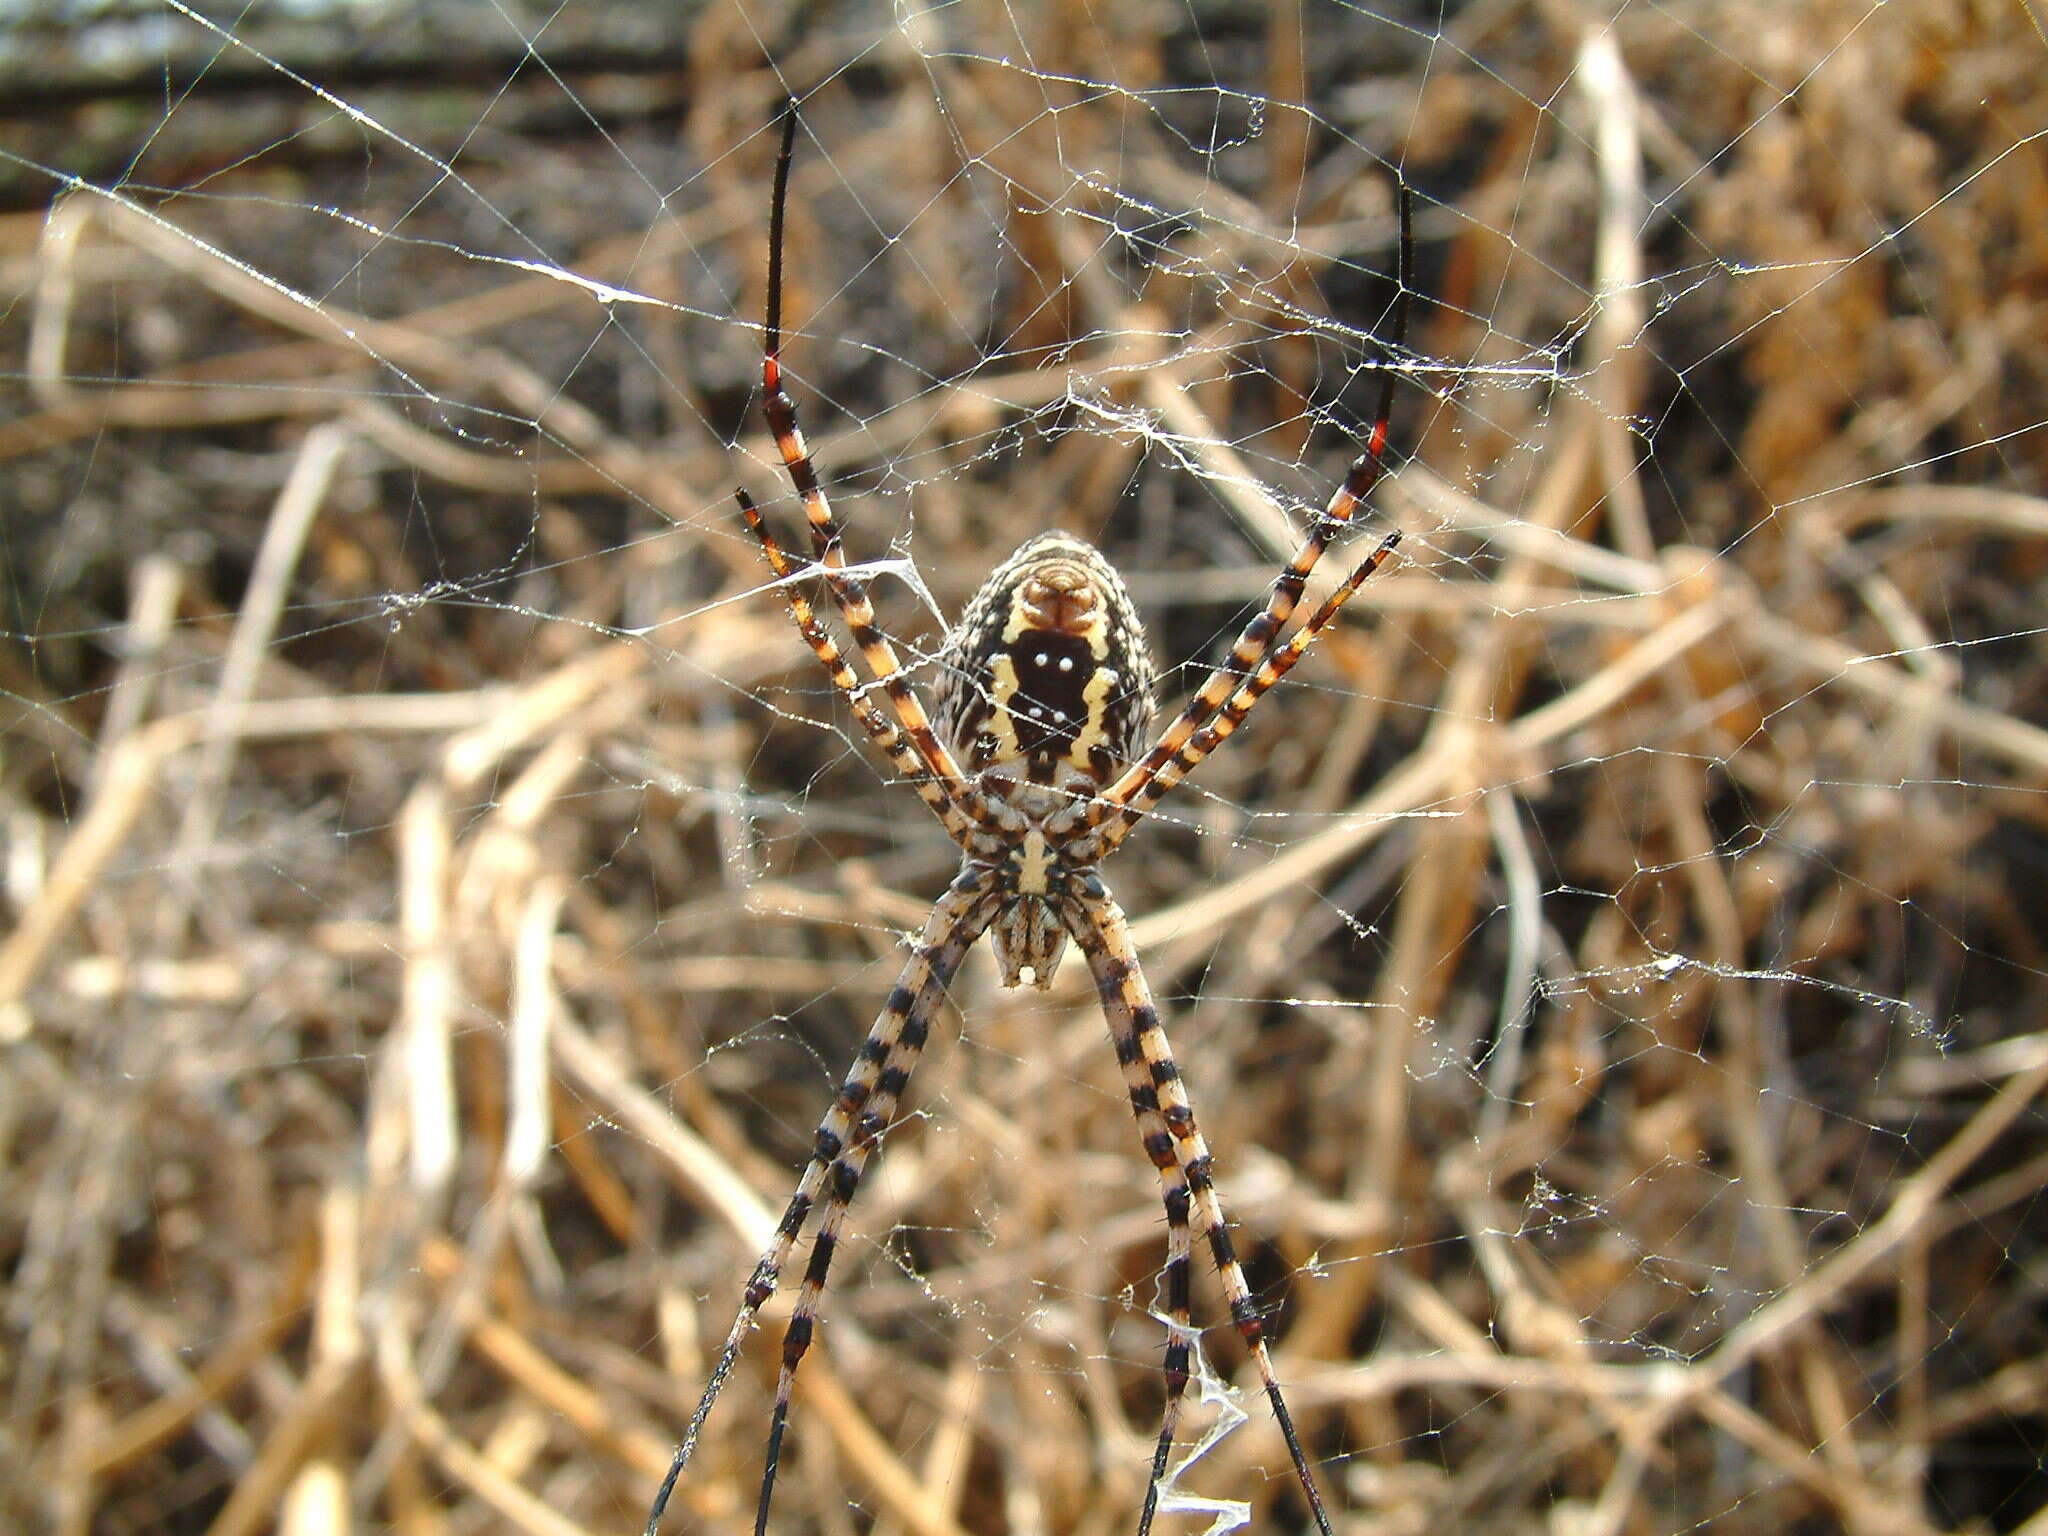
[(1048, 669)]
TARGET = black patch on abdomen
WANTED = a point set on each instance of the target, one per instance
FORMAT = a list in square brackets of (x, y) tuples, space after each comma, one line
[(1049, 710)]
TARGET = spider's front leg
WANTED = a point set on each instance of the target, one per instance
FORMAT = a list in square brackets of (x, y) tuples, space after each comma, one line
[(1166, 1122), (845, 1138)]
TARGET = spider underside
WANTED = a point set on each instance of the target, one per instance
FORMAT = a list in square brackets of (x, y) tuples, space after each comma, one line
[(1031, 761)]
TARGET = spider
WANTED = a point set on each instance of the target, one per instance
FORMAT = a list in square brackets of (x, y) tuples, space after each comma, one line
[(1030, 760)]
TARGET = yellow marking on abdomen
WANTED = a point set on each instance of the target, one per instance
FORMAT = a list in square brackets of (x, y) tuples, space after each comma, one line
[(1095, 728), (1002, 680)]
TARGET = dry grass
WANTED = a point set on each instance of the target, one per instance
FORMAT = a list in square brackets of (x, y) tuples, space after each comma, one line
[(442, 893)]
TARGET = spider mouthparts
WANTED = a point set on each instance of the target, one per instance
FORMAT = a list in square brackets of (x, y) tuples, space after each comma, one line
[(1028, 941)]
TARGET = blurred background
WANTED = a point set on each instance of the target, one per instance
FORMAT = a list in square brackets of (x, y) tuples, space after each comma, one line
[(441, 892)]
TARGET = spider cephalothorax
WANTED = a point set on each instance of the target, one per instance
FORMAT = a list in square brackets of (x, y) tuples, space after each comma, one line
[(1033, 768)]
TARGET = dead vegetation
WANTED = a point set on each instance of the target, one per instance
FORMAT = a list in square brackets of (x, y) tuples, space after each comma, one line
[(441, 893)]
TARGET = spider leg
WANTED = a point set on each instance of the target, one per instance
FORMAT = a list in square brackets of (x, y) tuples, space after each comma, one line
[(887, 736), (848, 591), (1226, 720), (845, 1137), (899, 1036), (1143, 1079), (1098, 927), (1257, 637)]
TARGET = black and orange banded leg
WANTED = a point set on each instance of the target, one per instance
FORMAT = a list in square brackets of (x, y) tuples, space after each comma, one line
[(887, 736), (946, 941), (1143, 1080), (1257, 638), (1225, 721), (848, 591), (844, 1138), (1098, 926)]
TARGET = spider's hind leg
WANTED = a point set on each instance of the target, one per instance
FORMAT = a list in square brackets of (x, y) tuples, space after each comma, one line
[(1189, 737), (887, 736), (849, 593)]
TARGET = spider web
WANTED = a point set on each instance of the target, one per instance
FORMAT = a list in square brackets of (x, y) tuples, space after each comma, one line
[(441, 894)]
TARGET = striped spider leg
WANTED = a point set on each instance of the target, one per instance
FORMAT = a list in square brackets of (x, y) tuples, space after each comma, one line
[(1254, 659), (1030, 760)]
